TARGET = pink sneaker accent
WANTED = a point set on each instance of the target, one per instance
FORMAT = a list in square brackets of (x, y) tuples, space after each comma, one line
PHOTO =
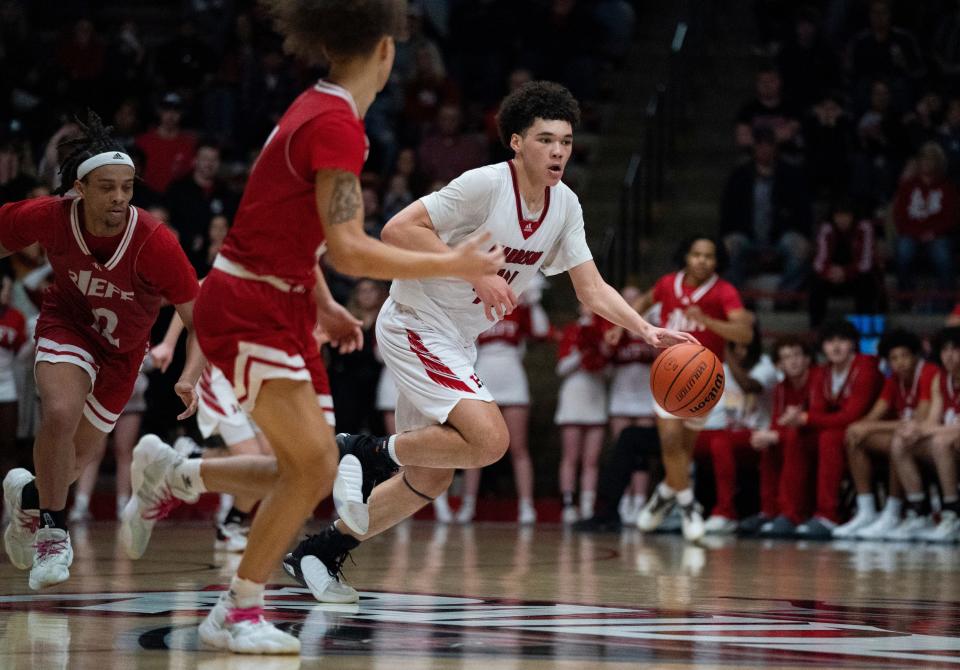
[(248, 614), (29, 521), (49, 547), (162, 508)]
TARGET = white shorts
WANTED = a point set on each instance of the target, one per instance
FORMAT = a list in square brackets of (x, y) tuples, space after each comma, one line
[(433, 370), (691, 424), (630, 393), (219, 413), (386, 391), (500, 366), (582, 400)]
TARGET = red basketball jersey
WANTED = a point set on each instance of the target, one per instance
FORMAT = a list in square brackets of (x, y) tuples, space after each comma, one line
[(277, 229), (715, 297), (511, 330), (113, 299), (903, 399), (633, 349), (950, 392), (588, 340), (13, 332)]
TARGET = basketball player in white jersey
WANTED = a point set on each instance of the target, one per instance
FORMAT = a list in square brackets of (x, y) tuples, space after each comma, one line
[(427, 328)]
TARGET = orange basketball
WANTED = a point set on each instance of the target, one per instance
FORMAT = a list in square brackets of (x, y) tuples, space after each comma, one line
[(687, 380)]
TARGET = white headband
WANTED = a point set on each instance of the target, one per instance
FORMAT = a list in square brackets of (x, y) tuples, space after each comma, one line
[(106, 158)]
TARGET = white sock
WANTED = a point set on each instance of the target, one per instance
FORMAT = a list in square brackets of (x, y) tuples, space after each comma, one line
[(587, 500), (121, 503), (915, 497), (81, 502), (866, 503), (186, 478), (469, 501), (392, 449), (665, 491), (245, 593), (526, 503), (685, 497), (893, 506)]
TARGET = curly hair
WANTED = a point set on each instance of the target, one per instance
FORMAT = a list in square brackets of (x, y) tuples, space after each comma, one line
[(94, 138), (535, 100), (839, 329), (315, 30), (686, 245), (896, 338)]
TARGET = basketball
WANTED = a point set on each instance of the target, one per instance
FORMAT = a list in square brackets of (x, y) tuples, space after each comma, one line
[(687, 380)]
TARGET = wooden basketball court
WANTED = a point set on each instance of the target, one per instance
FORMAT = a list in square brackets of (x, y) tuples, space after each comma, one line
[(495, 596)]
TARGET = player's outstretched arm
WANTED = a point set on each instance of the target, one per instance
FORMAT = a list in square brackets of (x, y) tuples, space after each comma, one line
[(193, 368), (352, 251), (606, 301)]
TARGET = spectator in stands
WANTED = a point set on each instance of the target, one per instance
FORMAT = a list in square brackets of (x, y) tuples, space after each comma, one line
[(841, 391), (373, 220), (450, 152), (143, 195), (168, 148), (354, 374), (807, 63), (428, 89), (884, 51), (949, 137), (925, 213), (127, 61), (785, 451), (766, 215), (846, 262), (195, 198), (126, 122), (184, 61), (48, 171), (81, 58), (882, 147), (746, 406), (216, 234), (828, 138), (397, 197), (581, 408), (15, 180), (922, 123), (903, 406), (933, 441), (768, 111), (408, 167), (945, 48)]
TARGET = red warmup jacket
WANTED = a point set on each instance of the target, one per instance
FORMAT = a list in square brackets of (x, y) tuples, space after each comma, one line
[(854, 399), (854, 250), (786, 395), (925, 211)]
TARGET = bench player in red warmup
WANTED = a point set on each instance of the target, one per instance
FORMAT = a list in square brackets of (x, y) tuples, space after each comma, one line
[(113, 265), (258, 307)]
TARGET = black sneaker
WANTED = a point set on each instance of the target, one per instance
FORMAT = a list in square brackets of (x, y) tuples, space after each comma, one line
[(373, 456), (317, 564), (750, 526)]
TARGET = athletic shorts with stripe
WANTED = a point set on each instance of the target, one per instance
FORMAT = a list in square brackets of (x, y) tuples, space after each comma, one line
[(254, 332), (112, 375), (432, 369)]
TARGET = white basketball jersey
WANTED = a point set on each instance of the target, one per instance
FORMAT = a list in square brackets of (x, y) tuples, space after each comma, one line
[(488, 200)]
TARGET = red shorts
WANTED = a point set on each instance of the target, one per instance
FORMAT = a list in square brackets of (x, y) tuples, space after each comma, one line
[(254, 331), (112, 375)]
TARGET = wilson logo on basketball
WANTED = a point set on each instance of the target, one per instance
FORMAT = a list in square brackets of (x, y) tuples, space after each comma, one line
[(711, 398)]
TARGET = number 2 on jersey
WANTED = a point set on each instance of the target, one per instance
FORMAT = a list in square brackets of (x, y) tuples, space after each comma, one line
[(109, 320)]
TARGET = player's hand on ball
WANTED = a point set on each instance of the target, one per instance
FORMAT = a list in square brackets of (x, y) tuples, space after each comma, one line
[(496, 295), (162, 356), (341, 329), (664, 337), (473, 259), (188, 395)]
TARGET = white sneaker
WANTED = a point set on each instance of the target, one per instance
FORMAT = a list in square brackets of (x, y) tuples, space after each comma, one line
[(570, 515), (720, 525), (51, 564), (244, 631), (312, 573), (692, 525), (913, 527), (526, 514), (467, 511), (441, 509), (947, 531), (155, 494), (19, 535), (231, 537), (877, 530), (186, 446), (860, 520), (652, 514), (348, 495)]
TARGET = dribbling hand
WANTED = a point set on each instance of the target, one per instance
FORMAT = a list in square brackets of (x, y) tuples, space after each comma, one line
[(472, 260), (664, 337), (188, 395)]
